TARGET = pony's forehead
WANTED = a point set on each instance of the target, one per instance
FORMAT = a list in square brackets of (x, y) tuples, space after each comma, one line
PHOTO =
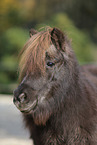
[(51, 50)]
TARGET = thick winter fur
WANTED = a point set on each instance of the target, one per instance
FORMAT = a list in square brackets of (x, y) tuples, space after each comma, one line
[(58, 101)]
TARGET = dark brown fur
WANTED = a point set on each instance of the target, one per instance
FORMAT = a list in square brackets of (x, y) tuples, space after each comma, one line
[(67, 115)]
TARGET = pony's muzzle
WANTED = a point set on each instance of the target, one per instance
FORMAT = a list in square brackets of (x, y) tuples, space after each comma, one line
[(19, 97), (22, 102)]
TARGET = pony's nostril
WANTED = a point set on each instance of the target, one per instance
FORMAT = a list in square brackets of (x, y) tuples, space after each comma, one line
[(22, 97)]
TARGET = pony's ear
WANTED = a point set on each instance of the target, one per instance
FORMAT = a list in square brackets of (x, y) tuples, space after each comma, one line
[(57, 38), (32, 32)]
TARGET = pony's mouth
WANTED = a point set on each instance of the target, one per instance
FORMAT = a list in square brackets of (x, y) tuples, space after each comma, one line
[(23, 104), (28, 106)]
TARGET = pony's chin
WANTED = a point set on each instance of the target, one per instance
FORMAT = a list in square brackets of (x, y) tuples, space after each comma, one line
[(26, 110)]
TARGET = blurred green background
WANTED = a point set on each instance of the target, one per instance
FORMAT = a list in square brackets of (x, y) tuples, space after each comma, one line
[(78, 18)]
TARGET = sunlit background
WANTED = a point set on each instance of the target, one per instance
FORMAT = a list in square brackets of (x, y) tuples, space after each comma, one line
[(78, 18)]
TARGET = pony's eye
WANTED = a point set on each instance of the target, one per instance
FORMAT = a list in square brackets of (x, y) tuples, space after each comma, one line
[(50, 64)]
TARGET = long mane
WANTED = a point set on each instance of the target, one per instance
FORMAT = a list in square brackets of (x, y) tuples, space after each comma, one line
[(33, 53)]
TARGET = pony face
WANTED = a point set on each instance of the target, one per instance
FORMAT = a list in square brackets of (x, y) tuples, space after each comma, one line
[(42, 68)]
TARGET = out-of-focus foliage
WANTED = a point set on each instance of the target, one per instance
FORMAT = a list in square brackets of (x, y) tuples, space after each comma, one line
[(84, 15), (11, 42), (15, 13), (77, 18)]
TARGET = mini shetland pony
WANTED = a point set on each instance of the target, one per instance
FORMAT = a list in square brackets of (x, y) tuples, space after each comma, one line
[(58, 98)]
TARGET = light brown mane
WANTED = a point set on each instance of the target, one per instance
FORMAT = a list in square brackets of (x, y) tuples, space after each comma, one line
[(33, 53)]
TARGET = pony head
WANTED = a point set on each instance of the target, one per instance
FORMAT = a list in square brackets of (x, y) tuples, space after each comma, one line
[(44, 66)]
